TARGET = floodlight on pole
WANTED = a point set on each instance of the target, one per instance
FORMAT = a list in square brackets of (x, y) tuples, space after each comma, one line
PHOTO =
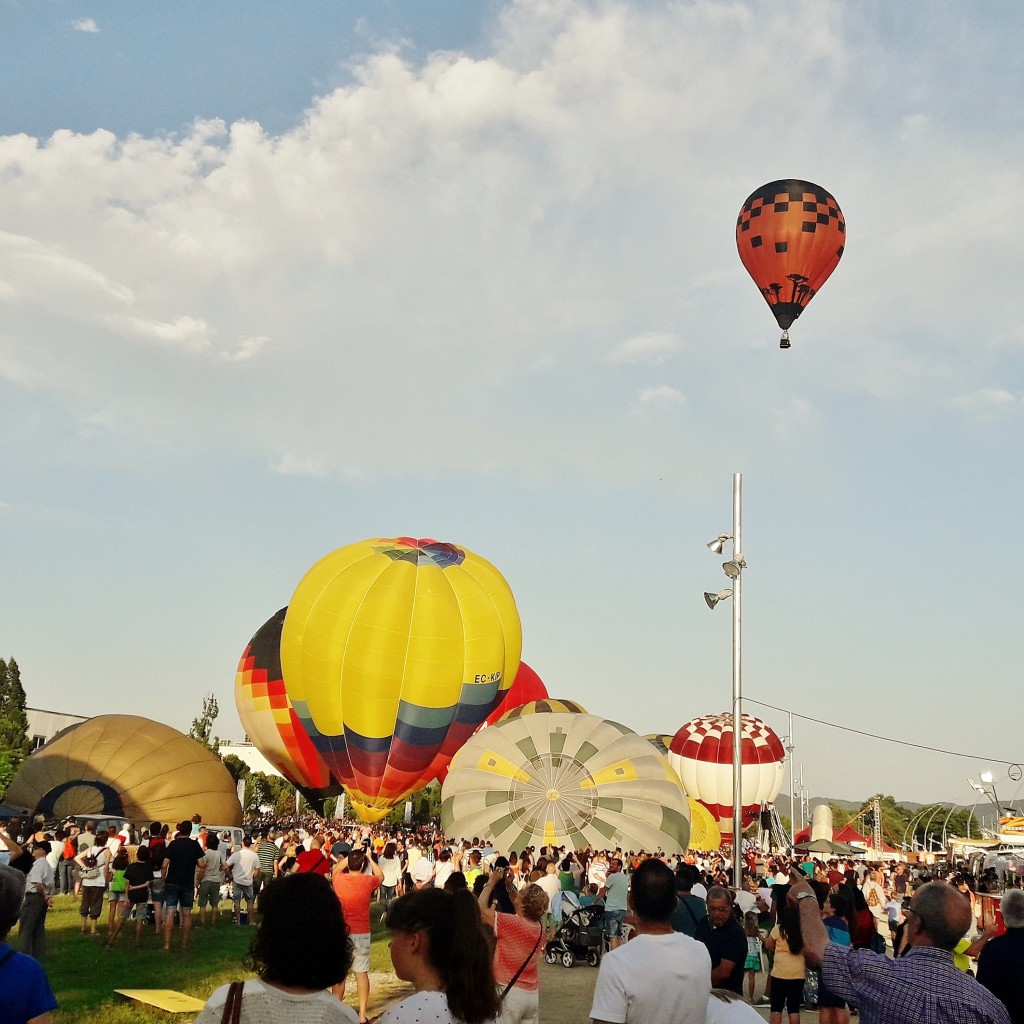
[(734, 570), (734, 567)]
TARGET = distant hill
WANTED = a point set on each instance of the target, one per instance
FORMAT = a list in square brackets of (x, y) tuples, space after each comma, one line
[(782, 801)]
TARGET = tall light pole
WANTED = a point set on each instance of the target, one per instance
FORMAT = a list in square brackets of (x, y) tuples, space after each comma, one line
[(734, 570), (737, 682), (792, 787)]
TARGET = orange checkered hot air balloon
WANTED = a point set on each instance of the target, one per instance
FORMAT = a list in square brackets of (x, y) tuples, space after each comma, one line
[(790, 235), (269, 719)]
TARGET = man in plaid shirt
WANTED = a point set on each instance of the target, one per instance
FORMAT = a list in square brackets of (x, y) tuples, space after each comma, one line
[(922, 987)]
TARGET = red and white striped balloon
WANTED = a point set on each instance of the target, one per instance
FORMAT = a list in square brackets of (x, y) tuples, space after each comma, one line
[(701, 754)]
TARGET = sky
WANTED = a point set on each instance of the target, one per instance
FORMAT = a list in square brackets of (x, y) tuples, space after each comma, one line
[(278, 278)]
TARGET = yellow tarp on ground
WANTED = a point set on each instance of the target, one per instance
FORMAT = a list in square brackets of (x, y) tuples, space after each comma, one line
[(164, 999)]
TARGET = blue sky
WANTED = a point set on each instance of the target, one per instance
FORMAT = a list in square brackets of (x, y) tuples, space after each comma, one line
[(274, 280)]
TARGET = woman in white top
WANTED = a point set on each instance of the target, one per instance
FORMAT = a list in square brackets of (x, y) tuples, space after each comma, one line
[(301, 949), (94, 864), (437, 944)]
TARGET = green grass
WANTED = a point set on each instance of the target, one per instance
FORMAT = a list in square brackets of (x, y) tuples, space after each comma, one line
[(83, 974)]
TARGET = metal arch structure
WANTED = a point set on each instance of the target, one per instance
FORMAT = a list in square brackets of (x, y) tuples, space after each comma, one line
[(927, 829), (911, 828)]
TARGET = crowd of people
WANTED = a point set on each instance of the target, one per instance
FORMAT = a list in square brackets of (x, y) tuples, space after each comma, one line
[(469, 925)]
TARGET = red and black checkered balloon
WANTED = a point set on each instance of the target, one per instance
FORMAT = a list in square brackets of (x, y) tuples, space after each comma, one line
[(790, 235)]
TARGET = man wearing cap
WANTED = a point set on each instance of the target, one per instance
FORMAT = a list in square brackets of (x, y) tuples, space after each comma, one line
[(38, 899)]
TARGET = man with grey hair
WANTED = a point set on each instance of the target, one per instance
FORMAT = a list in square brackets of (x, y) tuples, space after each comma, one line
[(725, 939), (26, 992), (1001, 964), (921, 987)]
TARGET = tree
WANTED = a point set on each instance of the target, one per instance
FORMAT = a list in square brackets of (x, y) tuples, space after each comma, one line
[(258, 792), (202, 726), (15, 744), (237, 767)]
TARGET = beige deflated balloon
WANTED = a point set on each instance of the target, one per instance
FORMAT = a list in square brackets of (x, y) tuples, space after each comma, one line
[(565, 779), (123, 765)]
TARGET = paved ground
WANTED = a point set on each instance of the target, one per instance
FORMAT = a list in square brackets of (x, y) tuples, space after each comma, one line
[(566, 994)]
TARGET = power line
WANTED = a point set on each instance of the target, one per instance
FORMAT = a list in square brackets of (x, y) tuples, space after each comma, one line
[(875, 736)]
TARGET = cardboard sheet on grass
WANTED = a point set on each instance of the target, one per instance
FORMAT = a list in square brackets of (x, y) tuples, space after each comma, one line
[(163, 999)]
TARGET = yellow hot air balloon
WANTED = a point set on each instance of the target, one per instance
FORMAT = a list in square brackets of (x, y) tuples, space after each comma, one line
[(126, 766), (393, 651), (704, 832)]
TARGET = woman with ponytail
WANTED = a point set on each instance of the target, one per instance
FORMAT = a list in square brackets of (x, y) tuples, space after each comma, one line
[(436, 943)]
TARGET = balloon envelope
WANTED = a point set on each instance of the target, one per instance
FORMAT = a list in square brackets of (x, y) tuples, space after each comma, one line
[(123, 765), (704, 832), (269, 719), (790, 235), (659, 741), (564, 779), (527, 687), (701, 753), (393, 651), (541, 707)]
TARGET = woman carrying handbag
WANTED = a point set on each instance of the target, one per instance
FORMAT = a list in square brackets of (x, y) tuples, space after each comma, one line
[(519, 944), (294, 976)]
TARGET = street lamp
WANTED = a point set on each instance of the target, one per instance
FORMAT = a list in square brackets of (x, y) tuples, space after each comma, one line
[(734, 570), (987, 787)]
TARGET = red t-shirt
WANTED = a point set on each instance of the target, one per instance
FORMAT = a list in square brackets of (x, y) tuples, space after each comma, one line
[(355, 891), (516, 938), (313, 861)]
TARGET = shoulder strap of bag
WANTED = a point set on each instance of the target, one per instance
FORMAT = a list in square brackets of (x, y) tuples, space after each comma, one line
[(522, 966), (233, 1005), (689, 910)]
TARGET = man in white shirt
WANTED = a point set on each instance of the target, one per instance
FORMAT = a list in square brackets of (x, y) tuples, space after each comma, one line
[(242, 867), (659, 975)]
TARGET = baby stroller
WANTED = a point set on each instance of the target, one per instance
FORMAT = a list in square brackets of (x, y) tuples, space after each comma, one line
[(580, 936)]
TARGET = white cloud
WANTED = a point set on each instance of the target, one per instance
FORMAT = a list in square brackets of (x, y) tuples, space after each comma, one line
[(248, 348), (664, 393), (291, 465), (189, 333), (429, 232), (85, 25), (651, 348), (987, 403)]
